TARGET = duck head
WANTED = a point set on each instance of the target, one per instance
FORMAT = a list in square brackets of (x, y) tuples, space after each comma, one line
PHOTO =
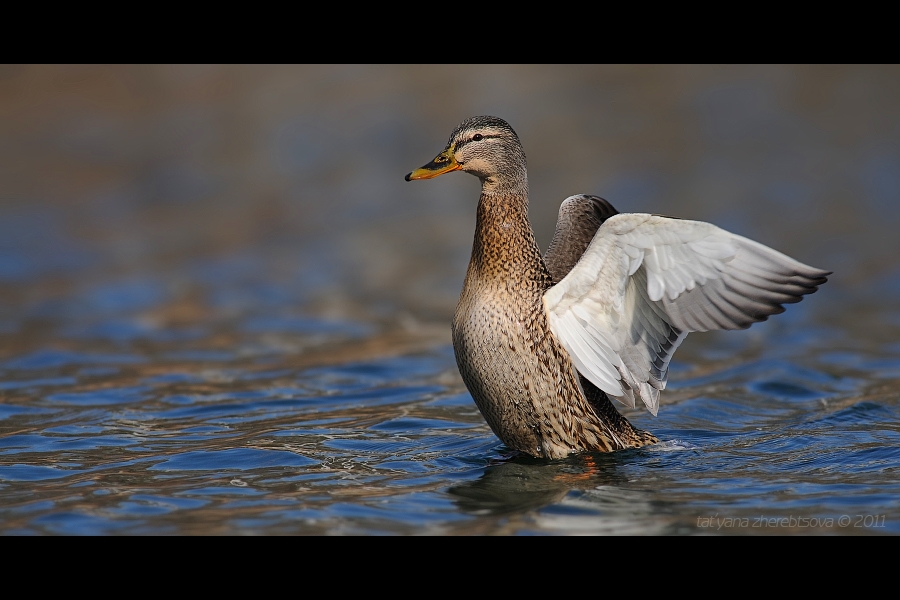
[(486, 147)]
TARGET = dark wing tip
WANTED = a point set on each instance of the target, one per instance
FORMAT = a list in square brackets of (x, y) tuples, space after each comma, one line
[(812, 280)]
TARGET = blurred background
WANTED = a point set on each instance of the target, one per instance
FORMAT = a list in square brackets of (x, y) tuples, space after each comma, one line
[(196, 219), (181, 198)]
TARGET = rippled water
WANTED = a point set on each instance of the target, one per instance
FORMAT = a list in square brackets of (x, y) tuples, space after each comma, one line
[(225, 312)]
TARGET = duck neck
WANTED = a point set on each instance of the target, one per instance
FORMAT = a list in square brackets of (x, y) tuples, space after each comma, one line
[(505, 247)]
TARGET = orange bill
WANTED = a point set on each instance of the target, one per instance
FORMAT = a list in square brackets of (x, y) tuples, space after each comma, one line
[(442, 163)]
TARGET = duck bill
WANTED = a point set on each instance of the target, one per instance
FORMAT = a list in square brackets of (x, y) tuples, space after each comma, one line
[(442, 163)]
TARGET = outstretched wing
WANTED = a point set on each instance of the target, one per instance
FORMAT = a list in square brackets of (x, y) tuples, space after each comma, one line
[(645, 281)]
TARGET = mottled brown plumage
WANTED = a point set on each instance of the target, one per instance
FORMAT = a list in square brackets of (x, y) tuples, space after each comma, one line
[(519, 375), (543, 342)]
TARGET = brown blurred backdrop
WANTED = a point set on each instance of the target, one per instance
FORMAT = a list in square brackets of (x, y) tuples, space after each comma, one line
[(175, 193)]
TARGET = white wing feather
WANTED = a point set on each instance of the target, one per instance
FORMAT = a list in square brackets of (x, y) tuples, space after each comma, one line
[(645, 281)]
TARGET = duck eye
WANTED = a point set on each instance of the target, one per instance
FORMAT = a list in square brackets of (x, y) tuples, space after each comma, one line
[(477, 137)]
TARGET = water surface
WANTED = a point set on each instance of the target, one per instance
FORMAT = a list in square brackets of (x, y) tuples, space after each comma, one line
[(224, 311)]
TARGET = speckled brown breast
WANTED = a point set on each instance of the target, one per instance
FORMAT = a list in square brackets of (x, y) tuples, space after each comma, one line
[(519, 375)]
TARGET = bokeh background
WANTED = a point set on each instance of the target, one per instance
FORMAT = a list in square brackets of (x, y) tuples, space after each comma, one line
[(162, 183), (207, 220)]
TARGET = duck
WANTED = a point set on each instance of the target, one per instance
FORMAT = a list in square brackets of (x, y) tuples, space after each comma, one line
[(543, 342)]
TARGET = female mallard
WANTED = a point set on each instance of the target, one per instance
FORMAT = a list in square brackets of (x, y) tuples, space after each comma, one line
[(542, 342)]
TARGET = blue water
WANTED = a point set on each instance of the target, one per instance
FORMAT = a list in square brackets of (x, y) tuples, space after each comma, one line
[(224, 311), (395, 445)]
